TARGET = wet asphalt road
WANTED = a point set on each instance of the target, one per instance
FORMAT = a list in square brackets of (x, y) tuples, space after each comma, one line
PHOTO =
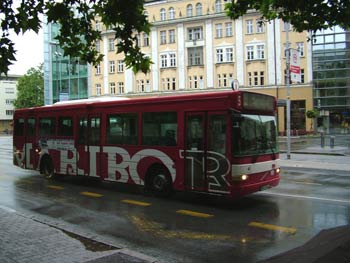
[(187, 227)]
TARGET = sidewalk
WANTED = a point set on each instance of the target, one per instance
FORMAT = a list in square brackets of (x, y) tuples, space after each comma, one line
[(26, 239)]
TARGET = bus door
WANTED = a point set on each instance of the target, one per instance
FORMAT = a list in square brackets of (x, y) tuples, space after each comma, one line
[(33, 143), (89, 145), (206, 154), (195, 152)]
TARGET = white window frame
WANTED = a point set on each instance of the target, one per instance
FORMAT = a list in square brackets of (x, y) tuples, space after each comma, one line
[(194, 33), (111, 44), (112, 87), (98, 89), (172, 36), (111, 66), (259, 26), (218, 6), (98, 69), (189, 10), (199, 9), (255, 52), (228, 29), (121, 87), (218, 30), (162, 14), (249, 26), (162, 34), (224, 54), (171, 13), (301, 48), (120, 66)]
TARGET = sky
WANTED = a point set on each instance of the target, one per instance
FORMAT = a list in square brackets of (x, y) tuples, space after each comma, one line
[(30, 52)]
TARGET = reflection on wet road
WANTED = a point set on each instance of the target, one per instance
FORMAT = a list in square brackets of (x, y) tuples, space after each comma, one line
[(186, 227)]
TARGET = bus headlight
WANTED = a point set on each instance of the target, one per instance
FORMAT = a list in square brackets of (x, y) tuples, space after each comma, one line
[(240, 178), (244, 177), (278, 170)]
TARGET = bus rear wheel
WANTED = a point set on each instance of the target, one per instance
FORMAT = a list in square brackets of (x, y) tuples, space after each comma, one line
[(47, 168), (160, 182)]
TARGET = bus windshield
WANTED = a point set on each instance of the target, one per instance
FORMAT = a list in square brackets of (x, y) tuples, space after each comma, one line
[(253, 134)]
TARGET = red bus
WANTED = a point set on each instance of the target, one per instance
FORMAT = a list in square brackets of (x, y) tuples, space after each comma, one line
[(213, 142)]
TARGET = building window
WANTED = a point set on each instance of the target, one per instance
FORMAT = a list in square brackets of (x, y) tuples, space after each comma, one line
[(98, 69), (199, 9), (164, 61), (98, 45), (218, 30), (171, 36), (98, 89), (162, 37), (260, 51), (195, 33), (228, 29), (173, 84), (172, 57), (250, 28), (112, 88), (9, 102), (218, 6), (111, 44), (162, 14), (262, 78), (224, 54), (219, 55), (97, 26), (168, 60), (137, 40), (111, 66), (171, 13), (120, 66), (255, 51), (250, 52), (9, 90), (189, 10), (141, 85), (9, 112), (195, 56), (302, 76), (300, 47), (249, 78), (145, 40), (121, 87), (259, 26)]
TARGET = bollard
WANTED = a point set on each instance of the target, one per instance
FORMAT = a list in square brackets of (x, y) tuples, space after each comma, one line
[(332, 138), (322, 139)]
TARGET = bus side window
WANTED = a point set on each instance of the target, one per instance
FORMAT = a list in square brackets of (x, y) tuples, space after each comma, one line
[(47, 126), (65, 126), (159, 128), (31, 127), (19, 127), (82, 131)]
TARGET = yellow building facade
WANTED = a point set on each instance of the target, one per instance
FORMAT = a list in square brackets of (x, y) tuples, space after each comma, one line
[(194, 46)]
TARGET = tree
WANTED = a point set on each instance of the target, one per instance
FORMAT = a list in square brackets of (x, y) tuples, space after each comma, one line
[(311, 114), (310, 15), (77, 35), (30, 89)]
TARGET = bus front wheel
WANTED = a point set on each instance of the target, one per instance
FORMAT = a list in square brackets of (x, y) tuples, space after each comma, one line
[(160, 182), (47, 168)]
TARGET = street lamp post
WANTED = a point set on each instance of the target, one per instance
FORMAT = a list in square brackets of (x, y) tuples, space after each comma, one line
[(288, 90)]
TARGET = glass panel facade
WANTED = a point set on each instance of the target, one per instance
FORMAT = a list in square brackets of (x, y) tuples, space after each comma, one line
[(331, 74), (65, 78)]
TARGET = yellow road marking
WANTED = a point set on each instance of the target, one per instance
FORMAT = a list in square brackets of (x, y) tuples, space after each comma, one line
[(133, 202), (192, 213), (289, 230), (56, 187), (91, 194), (158, 229)]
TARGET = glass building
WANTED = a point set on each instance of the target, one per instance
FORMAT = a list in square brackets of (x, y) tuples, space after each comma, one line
[(65, 78), (331, 75)]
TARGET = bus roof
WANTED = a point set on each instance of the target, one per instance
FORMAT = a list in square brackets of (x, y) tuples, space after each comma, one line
[(152, 99)]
